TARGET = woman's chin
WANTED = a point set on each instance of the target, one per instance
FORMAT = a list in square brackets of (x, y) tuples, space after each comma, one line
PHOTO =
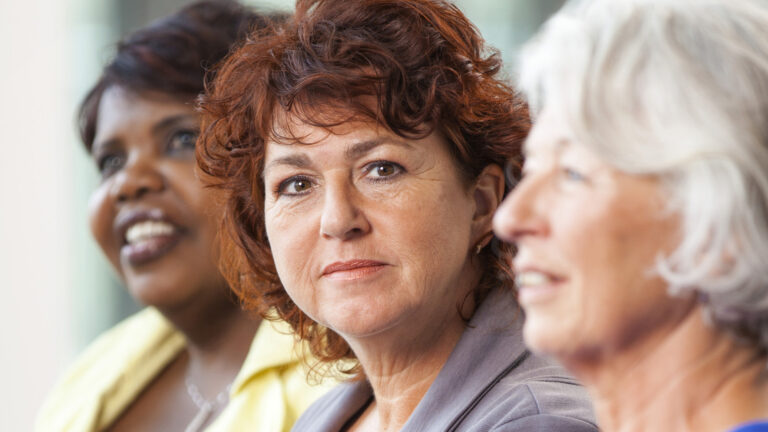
[(361, 324), (158, 298), (357, 314), (361, 329), (162, 293), (545, 337)]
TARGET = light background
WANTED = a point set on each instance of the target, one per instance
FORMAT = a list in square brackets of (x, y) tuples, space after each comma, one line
[(57, 291)]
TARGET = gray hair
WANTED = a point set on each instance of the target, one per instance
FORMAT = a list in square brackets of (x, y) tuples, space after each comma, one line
[(676, 89)]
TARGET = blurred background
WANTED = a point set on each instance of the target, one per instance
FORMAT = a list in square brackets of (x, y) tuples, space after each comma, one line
[(58, 292)]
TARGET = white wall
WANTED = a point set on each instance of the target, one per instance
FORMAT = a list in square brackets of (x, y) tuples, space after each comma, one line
[(42, 66)]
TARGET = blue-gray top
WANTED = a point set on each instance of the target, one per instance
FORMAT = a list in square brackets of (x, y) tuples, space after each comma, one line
[(491, 382)]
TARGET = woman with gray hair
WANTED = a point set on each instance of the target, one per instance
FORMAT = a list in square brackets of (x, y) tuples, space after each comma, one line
[(641, 219)]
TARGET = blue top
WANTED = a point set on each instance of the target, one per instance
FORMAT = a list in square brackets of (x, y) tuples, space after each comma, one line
[(758, 426)]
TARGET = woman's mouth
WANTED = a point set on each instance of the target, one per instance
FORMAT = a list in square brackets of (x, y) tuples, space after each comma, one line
[(148, 240), (535, 286), (353, 269)]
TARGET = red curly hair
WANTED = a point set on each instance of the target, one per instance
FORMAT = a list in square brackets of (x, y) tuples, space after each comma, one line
[(413, 66)]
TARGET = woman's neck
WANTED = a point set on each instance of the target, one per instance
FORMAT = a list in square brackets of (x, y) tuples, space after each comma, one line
[(403, 362), (690, 378), (401, 373), (218, 336)]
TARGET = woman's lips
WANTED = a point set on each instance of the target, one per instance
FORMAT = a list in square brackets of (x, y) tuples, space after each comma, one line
[(534, 286), (352, 270), (149, 249), (147, 240)]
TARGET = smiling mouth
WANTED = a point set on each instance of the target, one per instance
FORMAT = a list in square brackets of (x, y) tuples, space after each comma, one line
[(535, 287), (531, 279), (352, 270), (148, 240)]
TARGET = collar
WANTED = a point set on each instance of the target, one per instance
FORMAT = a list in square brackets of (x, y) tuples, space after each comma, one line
[(273, 347), (344, 403)]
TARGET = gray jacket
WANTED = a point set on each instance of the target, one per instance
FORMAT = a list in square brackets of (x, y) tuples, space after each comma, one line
[(491, 382)]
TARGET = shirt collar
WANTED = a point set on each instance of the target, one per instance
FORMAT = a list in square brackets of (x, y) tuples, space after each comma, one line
[(273, 346)]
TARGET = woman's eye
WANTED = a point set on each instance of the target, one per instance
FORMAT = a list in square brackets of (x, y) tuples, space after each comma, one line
[(183, 140), (571, 174), (111, 163), (382, 170), (294, 186)]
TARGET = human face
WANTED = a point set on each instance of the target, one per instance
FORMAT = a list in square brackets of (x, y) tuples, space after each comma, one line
[(371, 233), (150, 215), (587, 238)]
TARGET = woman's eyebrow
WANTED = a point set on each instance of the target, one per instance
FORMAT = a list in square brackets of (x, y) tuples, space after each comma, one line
[(171, 121), (99, 147), (354, 151), (298, 160), (359, 149)]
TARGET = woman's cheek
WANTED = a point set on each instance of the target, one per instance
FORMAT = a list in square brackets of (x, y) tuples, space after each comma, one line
[(101, 217), (292, 239)]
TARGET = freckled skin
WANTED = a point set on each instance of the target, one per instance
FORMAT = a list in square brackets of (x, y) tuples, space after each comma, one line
[(418, 222), (602, 233)]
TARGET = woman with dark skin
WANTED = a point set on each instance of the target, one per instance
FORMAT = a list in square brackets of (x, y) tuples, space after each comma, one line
[(181, 363)]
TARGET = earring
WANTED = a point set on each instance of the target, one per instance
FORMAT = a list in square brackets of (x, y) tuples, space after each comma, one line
[(483, 243)]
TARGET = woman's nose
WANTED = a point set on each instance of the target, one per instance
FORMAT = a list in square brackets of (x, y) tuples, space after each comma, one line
[(520, 214), (342, 218), (139, 176)]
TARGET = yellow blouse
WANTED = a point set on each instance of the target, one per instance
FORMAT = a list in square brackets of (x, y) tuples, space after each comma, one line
[(268, 394)]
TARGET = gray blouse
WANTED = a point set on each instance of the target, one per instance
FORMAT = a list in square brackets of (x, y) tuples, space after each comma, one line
[(490, 382)]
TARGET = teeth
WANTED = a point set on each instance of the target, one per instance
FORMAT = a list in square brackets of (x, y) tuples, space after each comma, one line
[(148, 229), (531, 278)]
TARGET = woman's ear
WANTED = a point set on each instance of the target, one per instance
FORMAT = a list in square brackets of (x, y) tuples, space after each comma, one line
[(488, 194)]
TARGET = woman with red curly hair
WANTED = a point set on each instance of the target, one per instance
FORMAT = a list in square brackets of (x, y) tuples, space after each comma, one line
[(359, 155)]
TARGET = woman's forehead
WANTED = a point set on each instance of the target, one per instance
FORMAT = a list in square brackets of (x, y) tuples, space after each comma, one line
[(123, 111), (550, 134), (353, 140), (295, 128)]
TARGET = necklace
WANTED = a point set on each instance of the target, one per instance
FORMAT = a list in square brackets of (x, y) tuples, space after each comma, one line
[(205, 407)]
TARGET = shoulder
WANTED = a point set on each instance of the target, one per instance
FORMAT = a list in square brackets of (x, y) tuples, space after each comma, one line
[(117, 348), (138, 346), (541, 405), (539, 396), (125, 344), (147, 322), (758, 426)]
